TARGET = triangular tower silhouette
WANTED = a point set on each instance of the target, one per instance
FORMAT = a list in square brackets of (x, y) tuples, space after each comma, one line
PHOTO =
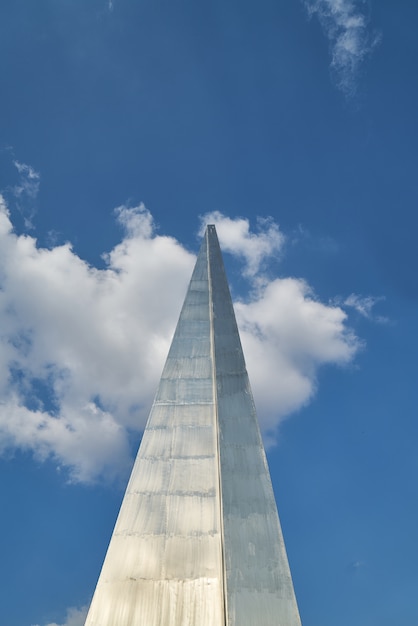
[(198, 539)]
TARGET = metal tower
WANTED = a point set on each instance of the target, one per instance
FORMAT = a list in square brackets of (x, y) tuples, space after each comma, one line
[(198, 539)]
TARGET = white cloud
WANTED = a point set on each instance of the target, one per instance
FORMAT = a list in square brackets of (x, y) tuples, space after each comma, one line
[(75, 617), (235, 237), (347, 28), (82, 349), (287, 334), (95, 339)]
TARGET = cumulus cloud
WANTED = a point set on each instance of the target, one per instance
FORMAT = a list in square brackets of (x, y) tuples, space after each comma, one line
[(75, 617), (253, 248), (287, 334), (351, 40), (82, 349)]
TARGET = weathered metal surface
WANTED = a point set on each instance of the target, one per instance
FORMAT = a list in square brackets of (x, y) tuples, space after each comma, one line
[(198, 540)]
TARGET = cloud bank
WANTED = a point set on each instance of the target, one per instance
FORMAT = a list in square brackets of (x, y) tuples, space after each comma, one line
[(82, 349), (351, 41)]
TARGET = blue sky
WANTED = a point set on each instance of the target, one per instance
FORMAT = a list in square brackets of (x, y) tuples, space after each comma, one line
[(124, 126)]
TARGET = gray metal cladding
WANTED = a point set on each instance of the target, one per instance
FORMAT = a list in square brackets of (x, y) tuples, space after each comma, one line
[(198, 539)]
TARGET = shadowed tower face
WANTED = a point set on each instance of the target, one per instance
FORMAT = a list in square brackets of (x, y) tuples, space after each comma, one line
[(198, 539)]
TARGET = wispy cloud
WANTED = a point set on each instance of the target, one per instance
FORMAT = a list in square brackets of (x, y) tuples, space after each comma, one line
[(82, 349), (26, 191), (346, 25), (364, 305), (29, 180), (355, 567), (75, 617), (319, 243)]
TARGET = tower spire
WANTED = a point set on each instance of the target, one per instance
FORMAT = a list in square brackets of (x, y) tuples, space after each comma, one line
[(198, 539)]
